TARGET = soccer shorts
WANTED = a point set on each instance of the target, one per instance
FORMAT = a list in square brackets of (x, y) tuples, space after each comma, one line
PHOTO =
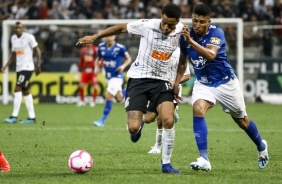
[(23, 79), (150, 106), (88, 78), (140, 91), (114, 85), (228, 95)]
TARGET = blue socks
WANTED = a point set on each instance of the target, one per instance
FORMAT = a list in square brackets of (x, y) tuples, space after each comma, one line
[(253, 133), (124, 93), (201, 135), (107, 110)]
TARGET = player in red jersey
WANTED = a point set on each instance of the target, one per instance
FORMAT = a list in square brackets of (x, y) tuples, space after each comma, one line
[(86, 66)]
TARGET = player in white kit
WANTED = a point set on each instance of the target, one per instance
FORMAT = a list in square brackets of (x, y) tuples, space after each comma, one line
[(23, 46), (151, 114), (149, 77)]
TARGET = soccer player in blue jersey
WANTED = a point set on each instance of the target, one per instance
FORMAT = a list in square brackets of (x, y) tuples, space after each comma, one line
[(205, 46), (113, 55)]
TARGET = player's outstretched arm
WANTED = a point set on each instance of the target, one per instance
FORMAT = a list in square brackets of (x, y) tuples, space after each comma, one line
[(11, 59), (114, 30)]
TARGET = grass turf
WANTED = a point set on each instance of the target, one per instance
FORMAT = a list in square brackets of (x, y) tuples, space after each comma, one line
[(39, 153)]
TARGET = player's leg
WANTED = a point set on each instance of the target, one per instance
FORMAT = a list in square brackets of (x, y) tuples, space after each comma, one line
[(136, 105), (202, 100), (17, 99), (176, 116), (28, 99), (94, 83), (156, 149), (107, 109), (232, 101), (165, 113), (4, 164), (83, 81)]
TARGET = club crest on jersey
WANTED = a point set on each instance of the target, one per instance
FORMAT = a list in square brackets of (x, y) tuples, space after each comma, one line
[(174, 40), (215, 40)]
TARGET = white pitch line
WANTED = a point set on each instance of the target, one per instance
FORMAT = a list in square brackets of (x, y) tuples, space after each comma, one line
[(45, 128)]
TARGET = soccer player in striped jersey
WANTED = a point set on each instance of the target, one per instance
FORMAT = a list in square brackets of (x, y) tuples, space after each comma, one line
[(23, 46), (112, 55), (149, 77), (151, 114), (86, 65), (205, 46)]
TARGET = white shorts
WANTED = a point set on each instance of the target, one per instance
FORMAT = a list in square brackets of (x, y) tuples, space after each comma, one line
[(229, 96), (114, 85)]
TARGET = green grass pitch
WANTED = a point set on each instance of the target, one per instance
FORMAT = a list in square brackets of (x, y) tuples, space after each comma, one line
[(39, 153)]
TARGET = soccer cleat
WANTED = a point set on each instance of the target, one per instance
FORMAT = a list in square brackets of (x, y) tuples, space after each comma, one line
[(28, 121), (136, 137), (263, 157), (11, 119), (201, 164), (4, 164), (99, 123), (80, 104), (167, 168), (155, 150), (92, 104)]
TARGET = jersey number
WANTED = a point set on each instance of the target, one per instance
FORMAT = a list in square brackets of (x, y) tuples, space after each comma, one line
[(168, 85), (21, 78)]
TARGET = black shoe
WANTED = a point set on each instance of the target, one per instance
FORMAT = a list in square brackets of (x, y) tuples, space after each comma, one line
[(136, 137)]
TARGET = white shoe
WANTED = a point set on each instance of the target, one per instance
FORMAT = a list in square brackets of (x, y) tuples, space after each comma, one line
[(80, 104), (155, 150), (92, 104), (201, 164), (263, 157)]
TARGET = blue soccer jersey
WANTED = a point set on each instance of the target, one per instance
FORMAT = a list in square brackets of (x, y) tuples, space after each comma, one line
[(211, 73), (113, 58)]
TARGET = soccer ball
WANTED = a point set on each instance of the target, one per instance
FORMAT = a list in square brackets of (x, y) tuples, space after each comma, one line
[(80, 161)]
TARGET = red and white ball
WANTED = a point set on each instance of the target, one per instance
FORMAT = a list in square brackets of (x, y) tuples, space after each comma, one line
[(80, 161)]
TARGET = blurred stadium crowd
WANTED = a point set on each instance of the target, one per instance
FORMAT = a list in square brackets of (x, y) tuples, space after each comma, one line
[(254, 13)]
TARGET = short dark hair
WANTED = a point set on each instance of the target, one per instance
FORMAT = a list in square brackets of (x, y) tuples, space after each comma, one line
[(171, 11), (202, 9)]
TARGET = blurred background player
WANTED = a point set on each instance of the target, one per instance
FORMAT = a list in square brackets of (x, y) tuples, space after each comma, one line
[(151, 114), (112, 54), (23, 46), (4, 164), (88, 55)]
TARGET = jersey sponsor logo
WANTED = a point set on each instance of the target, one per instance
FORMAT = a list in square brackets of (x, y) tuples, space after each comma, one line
[(145, 20), (111, 64), (199, 63), (160, 55), (215, 40), (20, 52)]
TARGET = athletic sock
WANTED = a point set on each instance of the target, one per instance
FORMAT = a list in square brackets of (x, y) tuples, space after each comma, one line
[(29, 106), (253, 133), (81, 94), (168, 143), (201, 135), (107, 110), (159, 137), (94, 95), (124, 92), (17, 103)]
